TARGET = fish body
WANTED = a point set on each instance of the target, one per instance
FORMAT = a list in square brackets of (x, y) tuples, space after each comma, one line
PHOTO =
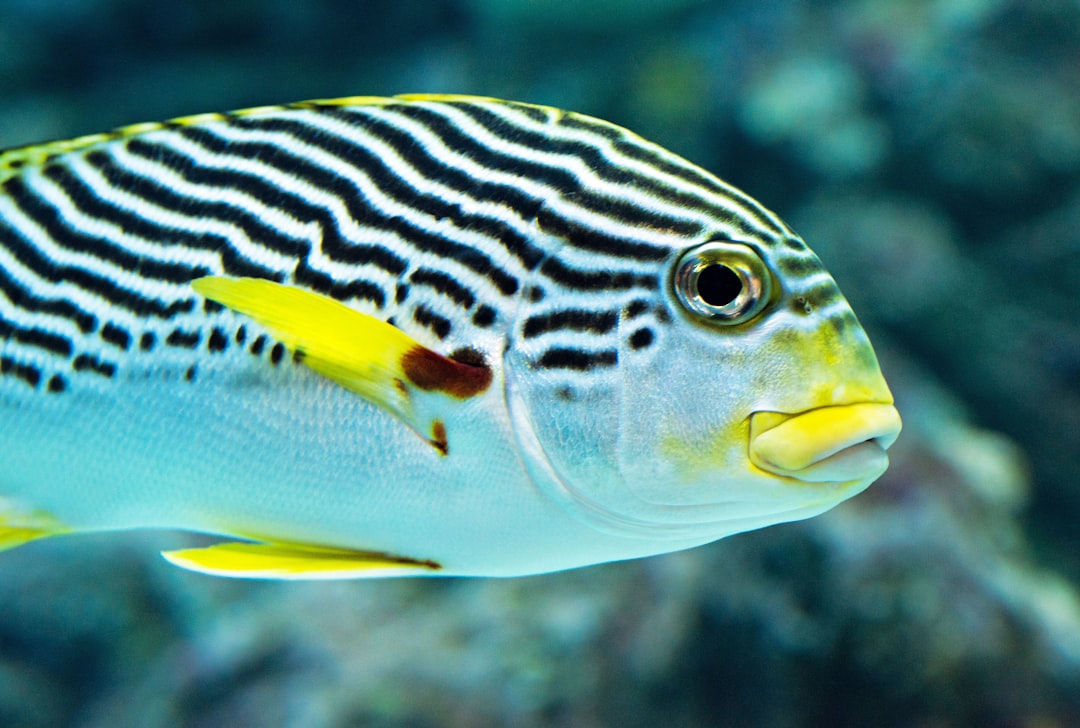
[(414, 335)]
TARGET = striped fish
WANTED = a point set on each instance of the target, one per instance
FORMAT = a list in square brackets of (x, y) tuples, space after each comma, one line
[(414, 336)]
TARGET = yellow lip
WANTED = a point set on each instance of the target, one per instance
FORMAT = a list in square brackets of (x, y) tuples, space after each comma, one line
[(828, 444)]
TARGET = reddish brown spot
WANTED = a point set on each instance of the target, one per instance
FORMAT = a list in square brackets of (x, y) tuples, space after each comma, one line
[(438, 437), (436, 373)]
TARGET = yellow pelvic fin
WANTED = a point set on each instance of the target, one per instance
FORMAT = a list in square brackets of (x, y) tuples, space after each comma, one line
[(359, 352), (18, 527), (293, 561), (12, 537)]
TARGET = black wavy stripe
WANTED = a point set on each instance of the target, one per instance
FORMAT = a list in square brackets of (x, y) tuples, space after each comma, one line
[(604, 168), (433, 168), (798, 267), (252, 225), (578, 359), (629, 147), (29, 374), (363, 212), (218, 341), (333, 243), (341, 290), (485, 316), (260, 233), (116, 336), (156, 233), (586, 238), (563, 181), (445, 285), (183, 339), (426, 317), (577, 279), (636, 308), (597, 322), (845, 323), (392, 185), (823, 294), (88, 363), (632, 149), (430, 167), (31, 258), (24, 299), (65, 235), (531, 111), (38, 338)]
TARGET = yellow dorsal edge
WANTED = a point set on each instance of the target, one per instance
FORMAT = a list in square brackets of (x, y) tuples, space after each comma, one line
[(32, 155)]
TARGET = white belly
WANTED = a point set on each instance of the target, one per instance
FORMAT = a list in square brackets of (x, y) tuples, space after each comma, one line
[(300, 460)]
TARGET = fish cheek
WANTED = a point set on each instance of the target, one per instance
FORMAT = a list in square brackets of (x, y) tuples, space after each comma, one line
[(685, 411), (682, 442), (708, 456)]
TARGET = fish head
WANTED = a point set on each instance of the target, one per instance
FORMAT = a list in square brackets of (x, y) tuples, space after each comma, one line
[(739, 393)]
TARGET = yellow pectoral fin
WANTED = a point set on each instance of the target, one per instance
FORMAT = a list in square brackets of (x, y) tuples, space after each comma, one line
[(355, 350), (359, 352), (293, 561)]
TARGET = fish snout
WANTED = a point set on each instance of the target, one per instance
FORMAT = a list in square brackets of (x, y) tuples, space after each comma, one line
[(833, 444)]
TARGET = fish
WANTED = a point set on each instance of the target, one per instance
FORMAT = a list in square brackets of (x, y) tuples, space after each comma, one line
[(421, 335)]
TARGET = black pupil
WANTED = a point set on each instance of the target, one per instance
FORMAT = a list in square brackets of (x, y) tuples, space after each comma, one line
[(718, 285)]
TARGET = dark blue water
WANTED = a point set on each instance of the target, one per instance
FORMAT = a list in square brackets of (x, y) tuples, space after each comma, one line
[(928, 151)]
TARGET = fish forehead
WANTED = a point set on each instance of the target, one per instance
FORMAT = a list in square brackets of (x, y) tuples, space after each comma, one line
[(462, 220)]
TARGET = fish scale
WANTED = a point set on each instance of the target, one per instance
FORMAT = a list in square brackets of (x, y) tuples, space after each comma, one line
[(529, 248)]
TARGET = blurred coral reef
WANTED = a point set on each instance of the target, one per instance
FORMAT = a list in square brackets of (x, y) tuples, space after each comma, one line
[(928, 151)]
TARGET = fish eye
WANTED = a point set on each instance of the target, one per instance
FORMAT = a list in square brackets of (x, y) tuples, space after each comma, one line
[(725, 283)]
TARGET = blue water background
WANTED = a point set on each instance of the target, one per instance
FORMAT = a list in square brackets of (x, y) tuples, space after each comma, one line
[(929, 151)]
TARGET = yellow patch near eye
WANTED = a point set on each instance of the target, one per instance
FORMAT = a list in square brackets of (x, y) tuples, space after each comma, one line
[(713, 451)]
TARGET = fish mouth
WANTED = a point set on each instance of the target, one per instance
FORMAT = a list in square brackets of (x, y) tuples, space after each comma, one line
[(834, 444)]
